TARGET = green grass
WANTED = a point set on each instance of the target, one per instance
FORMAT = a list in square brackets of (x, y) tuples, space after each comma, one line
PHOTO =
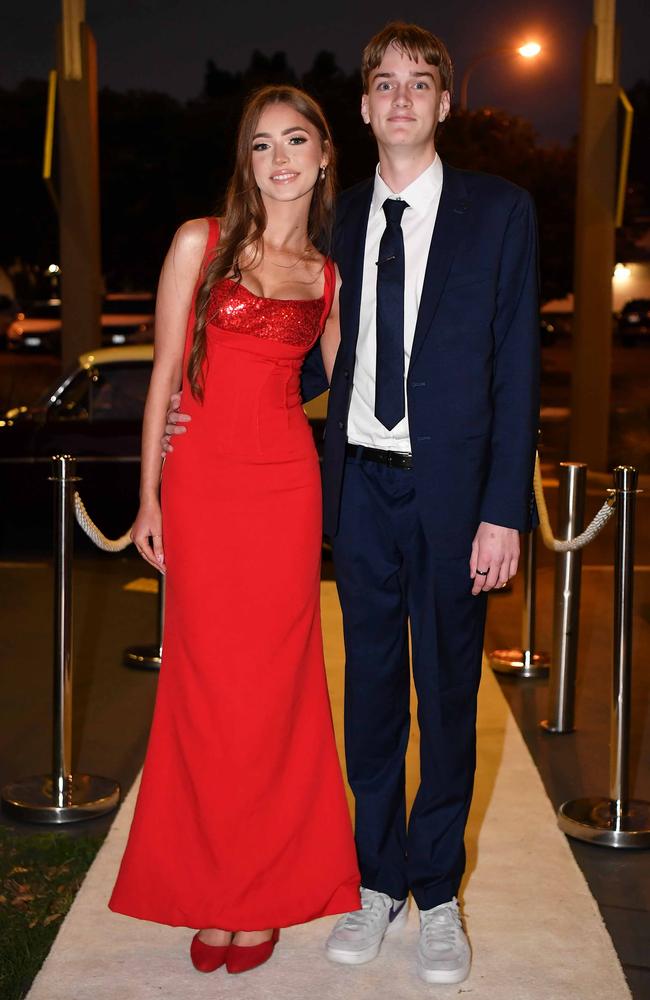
[(39, 878)]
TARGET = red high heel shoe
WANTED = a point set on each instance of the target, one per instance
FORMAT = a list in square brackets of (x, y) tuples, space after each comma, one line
[(241, 959), (207, 957)]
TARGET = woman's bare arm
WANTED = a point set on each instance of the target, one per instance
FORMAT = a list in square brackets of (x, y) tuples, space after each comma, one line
[(331, 337), (173, 303)]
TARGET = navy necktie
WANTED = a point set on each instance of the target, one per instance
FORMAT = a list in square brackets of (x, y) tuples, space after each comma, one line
[(389, 384)]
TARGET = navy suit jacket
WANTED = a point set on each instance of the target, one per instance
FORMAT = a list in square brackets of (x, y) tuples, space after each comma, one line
[(473, 379)]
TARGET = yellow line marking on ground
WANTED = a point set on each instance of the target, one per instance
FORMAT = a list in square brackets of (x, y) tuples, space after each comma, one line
[(609, 569), (143, 585)]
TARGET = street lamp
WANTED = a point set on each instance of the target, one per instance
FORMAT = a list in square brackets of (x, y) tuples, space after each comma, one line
[(528, 51)]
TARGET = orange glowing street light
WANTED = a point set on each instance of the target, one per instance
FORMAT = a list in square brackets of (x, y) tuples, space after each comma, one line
[(528, 51)]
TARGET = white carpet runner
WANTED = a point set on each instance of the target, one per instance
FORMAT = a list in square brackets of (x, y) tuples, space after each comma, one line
[(535, 929)]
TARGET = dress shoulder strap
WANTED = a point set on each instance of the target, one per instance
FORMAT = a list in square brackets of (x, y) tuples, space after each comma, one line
[(210, 246), (329, 289), (213, 233), (212, 243)]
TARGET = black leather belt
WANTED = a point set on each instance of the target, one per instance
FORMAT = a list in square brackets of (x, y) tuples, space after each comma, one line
[(394, 459)]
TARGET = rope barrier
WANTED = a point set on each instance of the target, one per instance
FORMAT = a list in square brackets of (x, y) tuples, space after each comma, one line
[(86, 523), (571, 545)]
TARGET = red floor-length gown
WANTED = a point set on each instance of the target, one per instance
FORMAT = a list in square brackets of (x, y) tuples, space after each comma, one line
[(241, 820)]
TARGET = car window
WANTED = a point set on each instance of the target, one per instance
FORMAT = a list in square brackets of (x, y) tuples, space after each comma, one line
[(119, 391), (73, 402)]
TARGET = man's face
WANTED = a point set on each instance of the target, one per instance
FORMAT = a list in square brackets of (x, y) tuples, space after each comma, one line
[(404, 102)]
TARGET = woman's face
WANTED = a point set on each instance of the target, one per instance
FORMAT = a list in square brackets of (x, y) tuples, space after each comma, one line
[(287, 154)]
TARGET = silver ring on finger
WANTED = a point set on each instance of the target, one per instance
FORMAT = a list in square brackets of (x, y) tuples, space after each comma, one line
[(482, 572)]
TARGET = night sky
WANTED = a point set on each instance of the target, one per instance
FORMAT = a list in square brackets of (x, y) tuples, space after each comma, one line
[(163, 44)]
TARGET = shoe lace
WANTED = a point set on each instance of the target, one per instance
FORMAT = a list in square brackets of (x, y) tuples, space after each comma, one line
[(373, 906), (439, 927)]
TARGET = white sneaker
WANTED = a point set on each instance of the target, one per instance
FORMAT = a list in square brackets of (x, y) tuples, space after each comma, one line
[(444, 954), (357, 936)]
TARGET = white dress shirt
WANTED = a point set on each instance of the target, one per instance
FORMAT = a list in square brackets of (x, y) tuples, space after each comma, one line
[(423, 198)]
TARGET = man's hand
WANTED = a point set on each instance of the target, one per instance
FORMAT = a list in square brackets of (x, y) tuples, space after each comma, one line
[(174, 424), (495, 556)]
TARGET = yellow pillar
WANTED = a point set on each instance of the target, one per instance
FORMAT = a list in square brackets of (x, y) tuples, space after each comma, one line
[(78, 148), (594, 242)]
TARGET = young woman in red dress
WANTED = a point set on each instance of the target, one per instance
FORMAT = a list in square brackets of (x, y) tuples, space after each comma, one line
[(241, 825)]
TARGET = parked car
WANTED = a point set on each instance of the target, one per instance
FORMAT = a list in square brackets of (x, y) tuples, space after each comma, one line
[(126, 318), (37, 328), (94, 412), (634, 321)]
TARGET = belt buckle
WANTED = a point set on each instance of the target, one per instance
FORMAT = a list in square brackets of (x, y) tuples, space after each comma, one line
[(398, 459)]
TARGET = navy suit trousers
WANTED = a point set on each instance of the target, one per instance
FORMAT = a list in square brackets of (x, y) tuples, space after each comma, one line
[(389, 579)]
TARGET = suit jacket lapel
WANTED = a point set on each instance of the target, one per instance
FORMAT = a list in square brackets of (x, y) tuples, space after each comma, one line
[(451, 225), (350, 259)]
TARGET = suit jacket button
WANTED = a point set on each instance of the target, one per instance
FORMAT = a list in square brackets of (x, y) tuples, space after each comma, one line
[(341, 425), (346, 373)]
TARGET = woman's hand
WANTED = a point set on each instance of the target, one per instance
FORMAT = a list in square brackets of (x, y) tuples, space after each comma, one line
[(146, 534)]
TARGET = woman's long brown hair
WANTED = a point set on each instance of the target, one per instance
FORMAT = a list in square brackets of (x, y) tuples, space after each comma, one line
[(244, 215)]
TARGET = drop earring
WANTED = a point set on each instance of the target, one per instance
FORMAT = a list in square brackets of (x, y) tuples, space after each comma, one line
[(322, 173)]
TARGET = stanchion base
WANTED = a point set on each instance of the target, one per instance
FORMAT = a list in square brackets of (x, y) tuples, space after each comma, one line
[(84, 796), (595, 821), (519, 663), (143, 657), (550, 727)]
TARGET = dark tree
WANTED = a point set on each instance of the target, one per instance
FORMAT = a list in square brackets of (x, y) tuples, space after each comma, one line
[(220, 83), (263, 69), (323, 74), (29, 226), (498, 143)]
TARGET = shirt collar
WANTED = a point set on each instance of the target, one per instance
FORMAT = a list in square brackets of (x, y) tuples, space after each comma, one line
[(420, 193)]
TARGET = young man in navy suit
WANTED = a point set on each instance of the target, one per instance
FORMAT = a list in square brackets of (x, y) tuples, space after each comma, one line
[(427, 478), (427, 470)]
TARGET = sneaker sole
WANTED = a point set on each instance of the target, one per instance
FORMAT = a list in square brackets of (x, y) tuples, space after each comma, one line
[(367, 954), (443, 975)]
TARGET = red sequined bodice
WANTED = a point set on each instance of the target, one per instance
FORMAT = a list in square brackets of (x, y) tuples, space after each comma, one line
[(296, 322)]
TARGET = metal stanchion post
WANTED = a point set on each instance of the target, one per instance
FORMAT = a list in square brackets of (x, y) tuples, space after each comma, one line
[(149, 657), (617, 821), (566, 612), (524, 662), (61, 796)]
